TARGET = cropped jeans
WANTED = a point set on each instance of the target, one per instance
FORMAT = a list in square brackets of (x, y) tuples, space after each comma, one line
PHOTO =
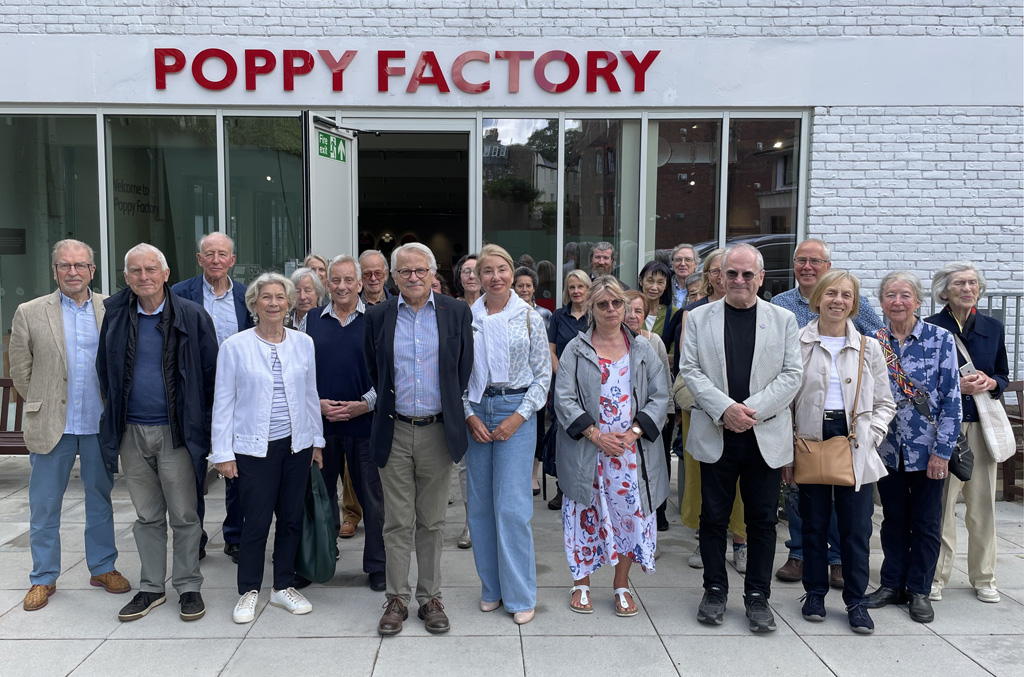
[(501, 507)]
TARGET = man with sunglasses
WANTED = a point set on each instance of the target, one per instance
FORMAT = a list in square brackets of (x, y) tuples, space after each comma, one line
[(811, 260), (741, 361), (53, 364), (375, 277)]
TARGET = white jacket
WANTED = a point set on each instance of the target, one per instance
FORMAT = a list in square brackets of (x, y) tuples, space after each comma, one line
[(244, 394)]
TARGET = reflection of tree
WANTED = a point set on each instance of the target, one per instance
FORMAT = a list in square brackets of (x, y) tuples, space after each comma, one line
[(545, 142), (511, 189)]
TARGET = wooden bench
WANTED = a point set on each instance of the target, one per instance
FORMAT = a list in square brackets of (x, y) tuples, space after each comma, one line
[(1014, 413), (12, 440)]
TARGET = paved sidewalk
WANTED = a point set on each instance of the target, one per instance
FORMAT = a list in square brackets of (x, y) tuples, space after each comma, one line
[(78, 632)]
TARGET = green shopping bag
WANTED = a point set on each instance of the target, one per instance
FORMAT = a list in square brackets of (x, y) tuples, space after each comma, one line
[(315, 559)]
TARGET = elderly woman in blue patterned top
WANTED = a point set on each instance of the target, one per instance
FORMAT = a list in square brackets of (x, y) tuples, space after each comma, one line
[(915, 451), (508, 385)]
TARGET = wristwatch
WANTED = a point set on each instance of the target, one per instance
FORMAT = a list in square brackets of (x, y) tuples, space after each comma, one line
[(637, 431)]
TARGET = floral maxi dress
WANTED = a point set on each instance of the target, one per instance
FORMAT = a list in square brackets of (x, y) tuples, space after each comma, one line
[(614, 522)]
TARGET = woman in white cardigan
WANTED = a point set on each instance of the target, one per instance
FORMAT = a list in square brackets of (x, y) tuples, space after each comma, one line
[(267, 431), (825, 407)]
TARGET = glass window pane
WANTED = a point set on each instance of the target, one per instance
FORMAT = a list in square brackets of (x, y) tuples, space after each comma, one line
[(602, 187), (764, 158), (265, 194), (520, 194), (161, 188), (682, 185), (48, 192)]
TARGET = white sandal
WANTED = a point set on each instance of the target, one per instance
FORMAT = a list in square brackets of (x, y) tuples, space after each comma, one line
[(621, 606), (585, 606)]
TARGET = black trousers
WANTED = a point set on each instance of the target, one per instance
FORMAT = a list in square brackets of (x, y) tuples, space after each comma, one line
[(366, 483), (269, 487), (759, 487), (911, 529), (853, 519), (232, 530)]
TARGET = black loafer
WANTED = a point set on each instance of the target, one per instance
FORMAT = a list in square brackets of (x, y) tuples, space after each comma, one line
[(884, 596), (231, 550), (378, 581), (921, 608)]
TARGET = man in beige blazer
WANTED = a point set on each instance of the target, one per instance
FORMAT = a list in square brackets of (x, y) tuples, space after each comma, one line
[(741, 361), (53, 364)]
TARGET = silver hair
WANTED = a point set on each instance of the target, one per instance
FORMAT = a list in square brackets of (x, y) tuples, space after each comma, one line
[(146, 248), (902, 276), (375, 252), (71, 243), (944, 275), (603, 247), (743, 246), (206, 237), (825, 249), (345, 258), (692, 278), (256, 288), (685, 245), (318, 286), (413, 246)]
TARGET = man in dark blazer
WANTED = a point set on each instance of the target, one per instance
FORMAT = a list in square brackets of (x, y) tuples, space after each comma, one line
[(419, 352), (224, 300)]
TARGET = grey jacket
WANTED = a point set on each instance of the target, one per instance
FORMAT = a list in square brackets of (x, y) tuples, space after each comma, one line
[(578, 404)]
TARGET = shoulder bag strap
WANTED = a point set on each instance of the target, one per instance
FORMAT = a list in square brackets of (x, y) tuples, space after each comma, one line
[(919, 400), (962, 348), (856, 395)]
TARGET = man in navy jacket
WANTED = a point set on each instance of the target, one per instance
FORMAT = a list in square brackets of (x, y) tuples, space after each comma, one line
[(224, 300)]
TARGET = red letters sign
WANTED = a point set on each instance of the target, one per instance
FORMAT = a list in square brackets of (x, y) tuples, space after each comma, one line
[(427, 71)]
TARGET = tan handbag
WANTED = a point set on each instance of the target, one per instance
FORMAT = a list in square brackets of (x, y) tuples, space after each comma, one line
[(829, 461)]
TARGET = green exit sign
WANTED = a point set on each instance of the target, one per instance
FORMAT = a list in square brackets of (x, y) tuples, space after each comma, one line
[(332, 147)]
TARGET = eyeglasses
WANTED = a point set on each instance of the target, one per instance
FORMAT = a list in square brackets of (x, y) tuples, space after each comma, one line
[(79, 267), (406, 273), (684, 259), (715, 272), (614, 303), (747, 275), (803, 261), (375, 274)]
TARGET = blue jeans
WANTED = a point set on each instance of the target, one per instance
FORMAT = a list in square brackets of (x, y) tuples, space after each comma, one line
[(501, 507), (46, 487), (796, 539)]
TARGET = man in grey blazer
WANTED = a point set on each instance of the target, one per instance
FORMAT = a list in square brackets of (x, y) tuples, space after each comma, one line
[(741, 361), (53, 364)]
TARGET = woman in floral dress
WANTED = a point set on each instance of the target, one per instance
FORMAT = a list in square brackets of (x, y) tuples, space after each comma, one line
[(611, 399)]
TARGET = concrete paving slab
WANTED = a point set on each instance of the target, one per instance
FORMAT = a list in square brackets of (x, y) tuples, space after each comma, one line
[(674, 612), (747, 655), (9, 599), (10, 531), (70, 614), (16, 564), (336, 613), (455, 656), (44, 658), (907, 656), (216, 623), (1005, 618), (888, 621), (353, 657), (554, 617), (544, 656), (159, 657), (1002, 655)]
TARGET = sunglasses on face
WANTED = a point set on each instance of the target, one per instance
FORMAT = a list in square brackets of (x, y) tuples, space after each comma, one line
[(614, 303), (747, 275)]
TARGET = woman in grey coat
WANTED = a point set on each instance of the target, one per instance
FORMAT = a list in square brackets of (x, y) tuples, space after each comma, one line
[(611, 396)]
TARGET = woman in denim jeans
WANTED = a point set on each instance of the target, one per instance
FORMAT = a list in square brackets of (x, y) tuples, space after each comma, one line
[(508, 385)]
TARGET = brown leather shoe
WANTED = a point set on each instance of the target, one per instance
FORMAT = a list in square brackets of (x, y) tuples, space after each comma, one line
[(433, 616), (394, 613), (37, 597), (112, 581), (791, 572), (835, 576), (347, 530)]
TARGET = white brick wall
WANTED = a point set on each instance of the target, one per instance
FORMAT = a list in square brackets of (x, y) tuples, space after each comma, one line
[(470, 18)]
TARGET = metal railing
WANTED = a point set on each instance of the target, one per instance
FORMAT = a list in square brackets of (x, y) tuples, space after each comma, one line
[(1006, 307)]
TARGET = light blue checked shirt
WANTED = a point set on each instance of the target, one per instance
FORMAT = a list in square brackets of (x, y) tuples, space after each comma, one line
[(417, 371), (222, 311), (81, 339)]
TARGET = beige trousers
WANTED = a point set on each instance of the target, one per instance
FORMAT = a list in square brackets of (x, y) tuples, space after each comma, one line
[(415, 482), (980, 499)]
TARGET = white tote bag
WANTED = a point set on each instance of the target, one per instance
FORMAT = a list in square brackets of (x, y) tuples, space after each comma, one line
[(995, 426)]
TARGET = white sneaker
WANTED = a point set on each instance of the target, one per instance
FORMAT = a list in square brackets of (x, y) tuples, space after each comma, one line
[(739, 559), (245, 610), (291, 600), (695, 560), (990, 595), (935, 595)]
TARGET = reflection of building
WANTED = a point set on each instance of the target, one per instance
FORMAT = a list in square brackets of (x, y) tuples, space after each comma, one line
[(518, 181)]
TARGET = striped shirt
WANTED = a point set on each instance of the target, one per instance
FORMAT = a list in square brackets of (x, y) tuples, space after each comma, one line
[(280, 421), (417, 375)]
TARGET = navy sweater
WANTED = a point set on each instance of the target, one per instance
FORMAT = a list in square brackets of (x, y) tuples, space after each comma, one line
[(340, 368)]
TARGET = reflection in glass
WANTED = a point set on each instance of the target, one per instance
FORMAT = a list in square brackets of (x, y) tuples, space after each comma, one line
[(682, 185), (520, 194), (265, 193), (48, 192), (602, 169), (161, 188), (764, 157)]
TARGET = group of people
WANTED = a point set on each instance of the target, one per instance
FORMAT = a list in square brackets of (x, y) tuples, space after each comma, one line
[(392, 389)]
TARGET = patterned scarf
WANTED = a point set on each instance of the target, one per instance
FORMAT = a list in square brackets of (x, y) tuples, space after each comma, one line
[(892, 361)]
